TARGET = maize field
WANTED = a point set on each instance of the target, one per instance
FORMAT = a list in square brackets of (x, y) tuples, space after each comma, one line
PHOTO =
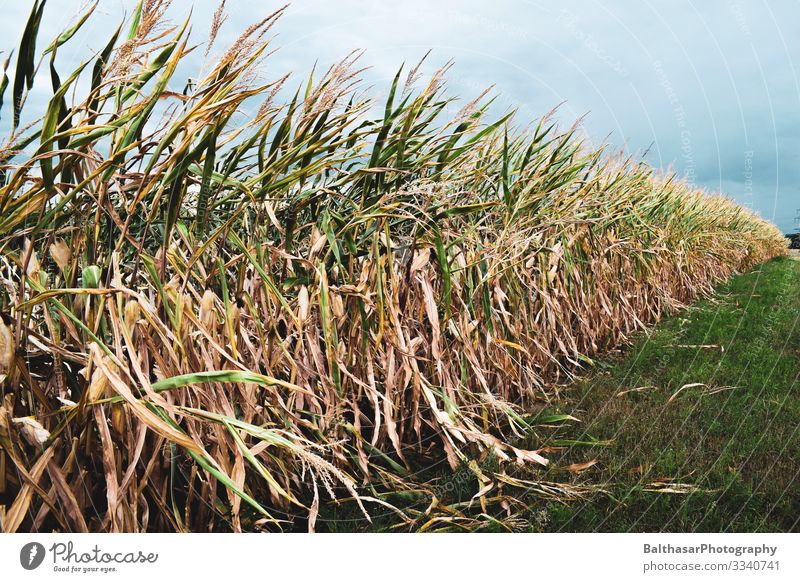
[(223, 308)]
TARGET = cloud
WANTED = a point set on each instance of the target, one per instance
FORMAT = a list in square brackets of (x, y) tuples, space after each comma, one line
[(711, 87)]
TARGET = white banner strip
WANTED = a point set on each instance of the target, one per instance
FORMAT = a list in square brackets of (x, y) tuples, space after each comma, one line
[(407, 557)]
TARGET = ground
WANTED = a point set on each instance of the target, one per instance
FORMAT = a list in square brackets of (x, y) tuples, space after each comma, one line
[(693, 427), (702, 415)]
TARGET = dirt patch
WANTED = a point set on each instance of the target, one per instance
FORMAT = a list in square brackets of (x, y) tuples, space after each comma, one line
[(794, 254)]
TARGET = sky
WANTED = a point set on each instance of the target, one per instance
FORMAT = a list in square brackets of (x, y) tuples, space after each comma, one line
[(707, 88)]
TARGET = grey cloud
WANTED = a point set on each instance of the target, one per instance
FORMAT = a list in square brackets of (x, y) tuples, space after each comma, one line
[(722, 74)]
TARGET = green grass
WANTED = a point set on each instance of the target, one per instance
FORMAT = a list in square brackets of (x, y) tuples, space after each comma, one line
[(738, 449)]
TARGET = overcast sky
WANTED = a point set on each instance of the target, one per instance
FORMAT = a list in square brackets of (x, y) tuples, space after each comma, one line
[(707, 87)]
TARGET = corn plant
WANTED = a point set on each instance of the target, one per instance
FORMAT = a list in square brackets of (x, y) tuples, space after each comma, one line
[(222, 308)]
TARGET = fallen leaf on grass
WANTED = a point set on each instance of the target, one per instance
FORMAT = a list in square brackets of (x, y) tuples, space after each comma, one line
[(552, 418), (701, 346), (580, 467), (674, 488), (682, 388), (639, 389), (711, 391)]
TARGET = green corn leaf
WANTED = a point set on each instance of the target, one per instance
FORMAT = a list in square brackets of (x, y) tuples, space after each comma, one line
[(23, 77)]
